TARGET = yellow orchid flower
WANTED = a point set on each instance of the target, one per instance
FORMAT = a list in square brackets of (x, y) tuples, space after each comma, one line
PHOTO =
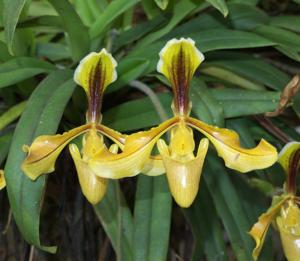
[(178, 61), (2, 179), (94, 73), (284, 210)]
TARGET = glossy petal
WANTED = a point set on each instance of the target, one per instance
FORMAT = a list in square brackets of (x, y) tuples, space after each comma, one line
[(183, 170), (45, 149), (260, 228), (92, 186), (154, 166), (136, 152), (289, 153), (94, 73), (96, 70), (2, 179), (178, 61), (289, 228), (289, 159), (228, 147)]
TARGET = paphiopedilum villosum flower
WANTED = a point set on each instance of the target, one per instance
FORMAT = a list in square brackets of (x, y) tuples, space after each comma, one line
[(94, 73), (178, 61), (284, 211)]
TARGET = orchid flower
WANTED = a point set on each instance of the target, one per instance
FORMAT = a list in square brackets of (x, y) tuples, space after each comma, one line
[(178, 61), (284, 210), (2, 179), (94, 73)]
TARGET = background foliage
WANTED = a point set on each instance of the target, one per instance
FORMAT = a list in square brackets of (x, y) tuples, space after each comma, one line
[(252, 51)]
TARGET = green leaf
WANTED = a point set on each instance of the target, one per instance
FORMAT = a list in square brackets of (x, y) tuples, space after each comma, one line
[(151, 9), (53, 51), (215, 39), (11, 114), (180, 11), (41, 8), (85, 12), (206, 228), (142, 217), (11, 13), (129, 69), (160, 219), (199, 23), (114, 10), (41, 116), (4, 54), (152, 216), (116, 219), (137, 32), (220, 5), (237, 103), (205, 106), (250, 67), (280, 36), (231, 77), (289, 52), (289, 22), (22, 68), (207, 40), (162, 4), (245, 16), (228, 207), (5, 141), (77, 32), (41, 21), (136, 114)]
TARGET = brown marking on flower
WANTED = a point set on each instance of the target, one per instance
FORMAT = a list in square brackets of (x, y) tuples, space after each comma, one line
[(96, 88), (181, 76), (294, 163)]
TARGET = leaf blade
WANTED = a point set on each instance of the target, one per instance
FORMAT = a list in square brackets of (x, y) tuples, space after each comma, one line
[(25, 196)]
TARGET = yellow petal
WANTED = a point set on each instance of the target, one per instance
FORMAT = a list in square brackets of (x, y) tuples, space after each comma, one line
[(178, 61), (289, 153), (154, 166), (2, 179), (96, 70), (182, 168), (260, 228), (136, 152), (228, 147), (45, 149), (183, 175), (94, 73), (113, 135), (289, 228), (92, 186)]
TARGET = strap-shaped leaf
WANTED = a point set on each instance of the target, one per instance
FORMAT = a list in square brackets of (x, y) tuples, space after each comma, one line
[(77, 33), (220, 5), (21, 68), (11, 14), (42, 115), (152, 219), (116, 219)]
